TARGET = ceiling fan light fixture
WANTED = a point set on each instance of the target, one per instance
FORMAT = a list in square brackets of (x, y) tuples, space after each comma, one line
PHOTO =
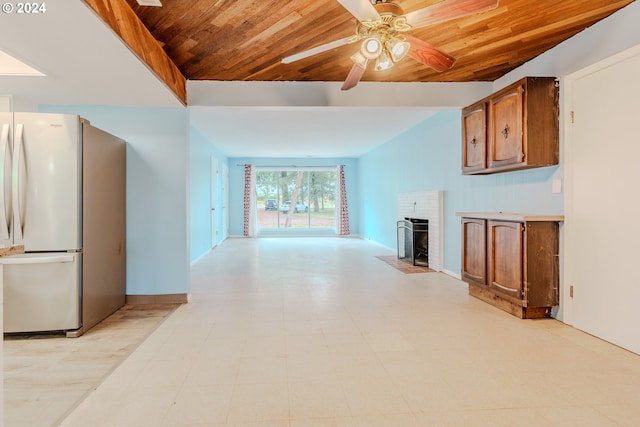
[(371, 47), (383, 62), (359, 59), (398, 48)]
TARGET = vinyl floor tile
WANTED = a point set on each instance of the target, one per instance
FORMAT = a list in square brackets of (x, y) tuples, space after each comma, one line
[(304, 332)]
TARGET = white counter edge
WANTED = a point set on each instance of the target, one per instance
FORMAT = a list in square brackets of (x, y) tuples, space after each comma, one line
[(507, 216)]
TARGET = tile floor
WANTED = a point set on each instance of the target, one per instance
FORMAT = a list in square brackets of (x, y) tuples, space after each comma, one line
[(46, 376), (319, 332)]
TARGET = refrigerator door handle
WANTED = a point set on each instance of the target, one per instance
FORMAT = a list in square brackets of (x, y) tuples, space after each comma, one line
[(16, 185), (5, 232), (45, 259)]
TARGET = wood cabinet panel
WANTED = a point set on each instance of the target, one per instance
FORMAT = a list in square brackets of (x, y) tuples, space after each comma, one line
[(474, 261), (522, 128), (474, 131), (541, 249), (505, 258), (506, 129)]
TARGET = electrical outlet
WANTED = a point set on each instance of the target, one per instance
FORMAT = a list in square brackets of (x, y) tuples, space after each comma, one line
[(571, 291), (556, 186)]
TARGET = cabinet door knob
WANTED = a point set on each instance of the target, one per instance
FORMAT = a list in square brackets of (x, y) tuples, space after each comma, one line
[(505, 131), (474, 142)]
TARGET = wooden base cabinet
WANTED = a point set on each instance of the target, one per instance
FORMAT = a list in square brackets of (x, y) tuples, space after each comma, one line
[(511, 261)]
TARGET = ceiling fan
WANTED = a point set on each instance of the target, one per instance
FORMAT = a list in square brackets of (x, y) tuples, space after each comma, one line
[(381, 27)]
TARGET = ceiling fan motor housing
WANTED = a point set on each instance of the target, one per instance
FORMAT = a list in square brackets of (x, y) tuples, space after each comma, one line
[(391, 8)]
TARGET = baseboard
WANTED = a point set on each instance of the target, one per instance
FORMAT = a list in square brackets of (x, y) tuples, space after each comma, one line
[(452, 274), (394, 250), (158, 299), (202, 256)]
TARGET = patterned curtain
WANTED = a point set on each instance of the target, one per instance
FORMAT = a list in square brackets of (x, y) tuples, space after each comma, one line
[(249, 201), (343, 219)]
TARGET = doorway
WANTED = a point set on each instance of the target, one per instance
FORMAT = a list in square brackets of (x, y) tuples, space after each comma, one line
[(214, 202), (225, 201)]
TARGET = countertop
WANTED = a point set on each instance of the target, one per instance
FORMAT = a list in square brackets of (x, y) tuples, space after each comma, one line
[(508, 216), (12, 250)]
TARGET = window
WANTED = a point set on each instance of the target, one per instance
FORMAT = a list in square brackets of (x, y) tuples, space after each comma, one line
[(296, 199)]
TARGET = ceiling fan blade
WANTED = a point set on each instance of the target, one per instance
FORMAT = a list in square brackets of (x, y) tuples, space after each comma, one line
[(353, 78), (362, 10), (318, 49), (447, 10), (429, 55)]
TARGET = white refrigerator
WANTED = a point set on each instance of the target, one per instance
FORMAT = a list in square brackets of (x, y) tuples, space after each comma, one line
[(62, 196)]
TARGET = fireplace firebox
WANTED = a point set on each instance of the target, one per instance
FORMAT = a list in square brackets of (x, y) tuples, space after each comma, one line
[(413, 241)]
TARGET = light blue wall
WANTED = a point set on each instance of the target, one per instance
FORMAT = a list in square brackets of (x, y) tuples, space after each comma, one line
[(157, 198), (428, 157), (161, 144), (236, 185), (200, 152)]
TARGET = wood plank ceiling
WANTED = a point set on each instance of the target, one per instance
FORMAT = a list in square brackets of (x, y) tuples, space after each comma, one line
[(241, 40)]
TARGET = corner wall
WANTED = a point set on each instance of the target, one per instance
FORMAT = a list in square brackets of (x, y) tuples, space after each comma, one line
[(157, 198), (200, 152)]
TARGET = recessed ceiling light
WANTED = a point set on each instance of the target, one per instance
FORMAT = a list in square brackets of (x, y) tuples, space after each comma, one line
[(10, 66), (149, 2)]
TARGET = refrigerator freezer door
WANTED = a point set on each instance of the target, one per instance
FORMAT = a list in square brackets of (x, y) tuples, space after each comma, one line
[(6, 209), (46, 184), (41, 292)]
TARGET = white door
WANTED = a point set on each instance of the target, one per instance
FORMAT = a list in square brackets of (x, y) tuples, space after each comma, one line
[(225, 201), (214, 202), (602, 208)]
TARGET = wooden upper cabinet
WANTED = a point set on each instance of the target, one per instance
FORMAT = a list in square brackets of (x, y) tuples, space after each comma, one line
[(522, 128)]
